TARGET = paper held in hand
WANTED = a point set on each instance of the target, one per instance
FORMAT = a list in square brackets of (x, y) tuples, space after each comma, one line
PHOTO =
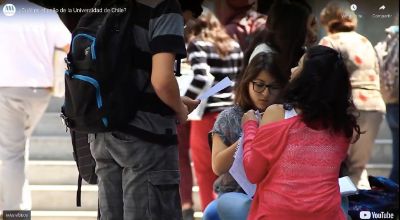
[(226, 82), (238, 173), (197, 114), (347, 187)]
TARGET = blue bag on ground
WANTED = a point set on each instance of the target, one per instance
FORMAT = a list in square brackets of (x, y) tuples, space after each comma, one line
[(381, 202)]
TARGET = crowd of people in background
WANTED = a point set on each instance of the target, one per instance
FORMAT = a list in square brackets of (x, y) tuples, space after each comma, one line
[(305, 110)]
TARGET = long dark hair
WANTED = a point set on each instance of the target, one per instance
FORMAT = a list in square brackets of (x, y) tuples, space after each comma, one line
[(261, 62), (286, 32), (194, 6), (322, 91)]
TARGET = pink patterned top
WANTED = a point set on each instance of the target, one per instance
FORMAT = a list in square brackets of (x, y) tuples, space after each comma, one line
[(362, 63), (296, 170)]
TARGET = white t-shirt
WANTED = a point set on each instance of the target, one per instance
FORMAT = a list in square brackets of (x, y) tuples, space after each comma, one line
[(27, 43)]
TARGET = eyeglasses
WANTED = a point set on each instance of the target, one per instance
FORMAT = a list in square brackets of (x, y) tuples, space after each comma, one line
[(260, 87)]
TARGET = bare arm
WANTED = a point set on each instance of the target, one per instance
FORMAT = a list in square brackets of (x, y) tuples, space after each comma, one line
[(165, 84), (272, 114), (222, 155), (65, 48)]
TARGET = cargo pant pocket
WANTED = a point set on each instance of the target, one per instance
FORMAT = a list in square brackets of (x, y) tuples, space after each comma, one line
[(164, 199)]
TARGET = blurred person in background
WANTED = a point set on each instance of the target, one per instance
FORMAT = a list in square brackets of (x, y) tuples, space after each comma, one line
[(190, 11), (388, 51), (340, 23), (210, 52), (27, 45), (291, 28), (241, 20)]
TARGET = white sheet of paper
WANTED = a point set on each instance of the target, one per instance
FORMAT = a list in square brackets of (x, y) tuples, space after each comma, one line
[(226, 82), (198, 113), (238, 173), (347, 187), (185, 79)]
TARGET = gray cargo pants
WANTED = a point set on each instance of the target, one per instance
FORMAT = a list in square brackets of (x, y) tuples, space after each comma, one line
[(137, 180)]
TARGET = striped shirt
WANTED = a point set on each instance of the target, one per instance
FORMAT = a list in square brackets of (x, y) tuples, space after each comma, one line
[(204, 59), (158, 28)]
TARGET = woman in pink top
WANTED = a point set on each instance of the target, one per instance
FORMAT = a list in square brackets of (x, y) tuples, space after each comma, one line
[(294, 156)]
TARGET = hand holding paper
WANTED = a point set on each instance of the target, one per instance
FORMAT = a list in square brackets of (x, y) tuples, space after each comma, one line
[(238, 173), (190, 103)]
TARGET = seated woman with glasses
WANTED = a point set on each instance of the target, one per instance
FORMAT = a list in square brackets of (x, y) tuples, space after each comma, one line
[(256, 88), (294, 153)]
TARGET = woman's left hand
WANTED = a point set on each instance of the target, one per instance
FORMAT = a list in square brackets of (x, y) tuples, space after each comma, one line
[(249, 115)]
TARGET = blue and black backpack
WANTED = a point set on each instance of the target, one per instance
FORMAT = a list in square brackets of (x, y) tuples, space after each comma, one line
[(100, 90)]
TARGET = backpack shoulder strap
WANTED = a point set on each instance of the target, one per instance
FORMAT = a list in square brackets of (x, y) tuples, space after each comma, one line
[(79, 192)]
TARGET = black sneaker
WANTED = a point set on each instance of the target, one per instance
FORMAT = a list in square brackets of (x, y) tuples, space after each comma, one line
[(188, 214)]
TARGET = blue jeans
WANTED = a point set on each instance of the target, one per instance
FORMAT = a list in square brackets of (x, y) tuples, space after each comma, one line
[(211, 213), (228, 206), (392, 117), (236, 206)]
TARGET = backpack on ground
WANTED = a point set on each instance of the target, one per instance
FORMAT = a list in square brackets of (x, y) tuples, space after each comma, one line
[(380, 202)]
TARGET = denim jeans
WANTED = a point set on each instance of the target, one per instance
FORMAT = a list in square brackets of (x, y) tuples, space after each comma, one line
[(228, 206), (211, 213), (392, 117), (236, 206)]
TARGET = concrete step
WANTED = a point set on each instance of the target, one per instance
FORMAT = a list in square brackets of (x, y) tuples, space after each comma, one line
[(63, 197), (50, 124), (50, 148), (384, 131), (52, 173), (77, 215), (55, 105), (382, 151), (64, 215), (379, 169)]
